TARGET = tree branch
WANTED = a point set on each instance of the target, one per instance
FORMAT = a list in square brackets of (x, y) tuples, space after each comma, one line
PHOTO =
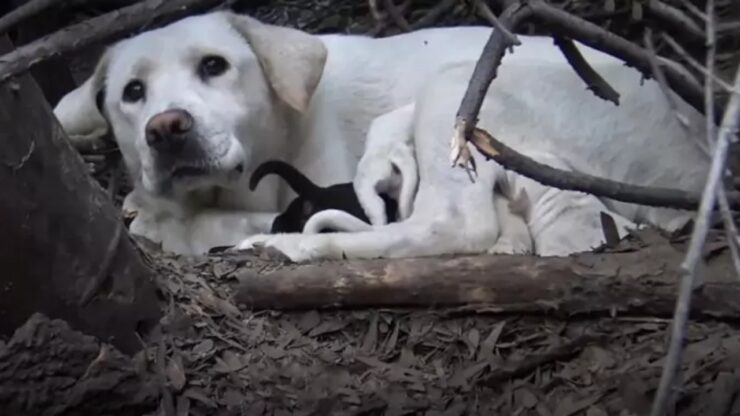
[(575, 181), (593, 80), (728, 128), (24, 12), (594, 36), (635, 282), (103, 28)]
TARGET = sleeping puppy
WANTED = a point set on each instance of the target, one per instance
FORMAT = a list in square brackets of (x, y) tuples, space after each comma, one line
[(338, 199)]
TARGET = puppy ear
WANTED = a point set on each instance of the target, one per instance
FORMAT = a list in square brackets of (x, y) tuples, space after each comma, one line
[(80, 111), (292, 60)]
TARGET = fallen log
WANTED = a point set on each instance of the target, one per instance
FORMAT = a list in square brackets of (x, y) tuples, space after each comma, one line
[(48, 369), (642, 282), (65, 251)]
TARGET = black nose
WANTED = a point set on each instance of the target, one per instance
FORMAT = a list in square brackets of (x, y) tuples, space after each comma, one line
[(168, 130)]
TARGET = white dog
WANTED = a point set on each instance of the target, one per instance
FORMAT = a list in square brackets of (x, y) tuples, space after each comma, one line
[(539, 107), (196, 105), (388, 165)]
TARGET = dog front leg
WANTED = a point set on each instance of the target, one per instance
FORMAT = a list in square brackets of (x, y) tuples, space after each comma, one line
[(197, 234)]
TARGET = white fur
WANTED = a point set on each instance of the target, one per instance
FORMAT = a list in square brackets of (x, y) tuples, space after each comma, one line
[(538, 107), (336, 220), (264, 107), (269, 105)]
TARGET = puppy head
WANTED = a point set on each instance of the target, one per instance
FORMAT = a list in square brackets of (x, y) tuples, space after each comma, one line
[(190, 104)]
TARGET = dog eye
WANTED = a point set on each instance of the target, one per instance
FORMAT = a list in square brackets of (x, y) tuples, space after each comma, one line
[(212, 66), (133, 91)]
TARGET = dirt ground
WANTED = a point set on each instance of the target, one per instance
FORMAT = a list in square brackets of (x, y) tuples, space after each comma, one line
[(222, 359)]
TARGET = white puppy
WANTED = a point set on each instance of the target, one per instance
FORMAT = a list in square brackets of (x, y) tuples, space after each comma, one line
[(389, 166), (195, 106), (534, 103)]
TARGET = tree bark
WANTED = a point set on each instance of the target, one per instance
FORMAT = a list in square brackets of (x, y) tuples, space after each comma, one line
[(49, 369), (63, 249), (641, 282)]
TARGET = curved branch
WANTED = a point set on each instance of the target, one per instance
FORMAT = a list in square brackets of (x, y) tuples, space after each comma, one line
[(509, 158)]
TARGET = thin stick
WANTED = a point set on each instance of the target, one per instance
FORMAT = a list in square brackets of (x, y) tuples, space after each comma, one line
[(676, 18), (24, 12), (598, 38), (696, 65), (509, 158), (396, 15), (664, 396), (596, 84), (660, 77), (487, 14), (103, 28)]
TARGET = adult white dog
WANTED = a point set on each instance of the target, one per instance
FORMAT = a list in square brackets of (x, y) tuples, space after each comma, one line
[(540, 108), (196, 105)]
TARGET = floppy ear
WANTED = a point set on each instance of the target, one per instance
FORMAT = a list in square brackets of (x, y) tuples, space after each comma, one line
[(292, 60), (79, 112)]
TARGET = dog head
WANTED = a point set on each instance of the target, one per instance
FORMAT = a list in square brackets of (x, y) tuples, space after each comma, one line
[(191, 103)]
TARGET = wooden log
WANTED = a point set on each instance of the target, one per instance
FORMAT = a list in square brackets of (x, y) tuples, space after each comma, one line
[(641, 282), (63, 249), (49, 369)]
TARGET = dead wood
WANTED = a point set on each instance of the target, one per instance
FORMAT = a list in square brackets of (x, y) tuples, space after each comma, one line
[(64, 253), (576, 181), (48, 368), (104, 28), (638, 282), (595, 83)]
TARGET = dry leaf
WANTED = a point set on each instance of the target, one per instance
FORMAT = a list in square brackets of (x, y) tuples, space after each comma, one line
[(176, 372)]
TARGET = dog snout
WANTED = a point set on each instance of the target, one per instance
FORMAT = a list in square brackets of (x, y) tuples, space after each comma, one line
[(168, 130)]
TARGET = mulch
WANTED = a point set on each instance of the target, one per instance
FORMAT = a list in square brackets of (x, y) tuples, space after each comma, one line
[(224, 359)]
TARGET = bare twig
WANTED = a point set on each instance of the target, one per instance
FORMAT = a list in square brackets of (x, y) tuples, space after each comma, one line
[(484, 73), (676, 18), (664, 396), (596, 37), (696, 65), (526, 366), (694, 10), (103, 28), (660, 78), (433, 14), (593, 80), (724, 206), (575, 181), (24, 12), (487, 14), (397, 16)]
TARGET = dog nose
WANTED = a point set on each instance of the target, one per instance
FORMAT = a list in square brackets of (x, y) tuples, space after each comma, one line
[(167, 131)]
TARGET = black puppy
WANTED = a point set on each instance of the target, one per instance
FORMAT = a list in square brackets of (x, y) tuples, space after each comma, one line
[(312, 198)]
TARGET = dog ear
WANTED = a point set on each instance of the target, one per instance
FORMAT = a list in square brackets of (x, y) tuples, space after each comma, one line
[(292, 60), (80, 111)]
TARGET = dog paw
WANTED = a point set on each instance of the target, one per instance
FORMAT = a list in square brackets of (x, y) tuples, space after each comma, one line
[(296, 247), (509, 246)]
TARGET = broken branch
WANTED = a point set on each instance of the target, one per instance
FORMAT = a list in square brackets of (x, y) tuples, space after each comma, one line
[(593, 80), (575, 181)]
